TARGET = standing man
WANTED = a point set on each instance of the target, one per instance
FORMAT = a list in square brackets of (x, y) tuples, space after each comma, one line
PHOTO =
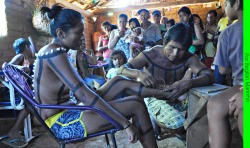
[(151, 32), (210, 29), (157, 19)]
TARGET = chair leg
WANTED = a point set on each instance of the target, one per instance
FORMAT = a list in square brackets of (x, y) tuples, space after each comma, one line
[(107, 140), (113, 140), (62, 145)]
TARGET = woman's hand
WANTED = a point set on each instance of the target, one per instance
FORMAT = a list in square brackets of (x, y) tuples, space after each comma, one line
[(133, 134), (178, 88), (146, 79), (121, 33)]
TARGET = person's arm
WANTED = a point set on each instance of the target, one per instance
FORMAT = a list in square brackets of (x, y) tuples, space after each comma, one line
[(91, 59), (203, 77), (131, 70), (17, 59), (225, 70), (198, 33), (113, 40), (221, 56), (100, 46), (60, 66), (130, 52), (79, 60)]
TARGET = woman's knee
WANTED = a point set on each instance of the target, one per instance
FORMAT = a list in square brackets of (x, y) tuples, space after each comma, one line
[(217, 106), (138, 104)]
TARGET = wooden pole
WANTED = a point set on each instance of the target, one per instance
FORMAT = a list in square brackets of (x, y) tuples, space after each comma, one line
[(71, 6), (32, 46)]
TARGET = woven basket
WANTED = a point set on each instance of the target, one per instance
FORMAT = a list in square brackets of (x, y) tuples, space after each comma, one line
[(40, 23)]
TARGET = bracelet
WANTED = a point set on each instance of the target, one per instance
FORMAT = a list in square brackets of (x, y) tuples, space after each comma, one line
[(122, 70), (127, 126)]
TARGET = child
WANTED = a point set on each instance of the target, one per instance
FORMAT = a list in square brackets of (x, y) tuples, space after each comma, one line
[(135, 38), (229, 58), (118, 58), (103, 41)]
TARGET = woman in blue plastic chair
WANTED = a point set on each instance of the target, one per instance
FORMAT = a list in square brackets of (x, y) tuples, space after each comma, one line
[(24, 60), (52, 67)]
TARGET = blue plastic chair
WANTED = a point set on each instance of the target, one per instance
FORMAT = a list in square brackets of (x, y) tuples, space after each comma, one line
[(19, 80)]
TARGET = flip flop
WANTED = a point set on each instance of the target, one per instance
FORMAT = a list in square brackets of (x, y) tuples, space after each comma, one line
[(3, 137), (15, 142)]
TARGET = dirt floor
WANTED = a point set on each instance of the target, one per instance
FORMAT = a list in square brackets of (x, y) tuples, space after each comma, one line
[(99, 142), (45, 141)]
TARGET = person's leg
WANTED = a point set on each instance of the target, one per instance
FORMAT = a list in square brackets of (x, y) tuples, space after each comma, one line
[(14, 131), (122, 85), (240, 124), (130, 107), (218, 119)]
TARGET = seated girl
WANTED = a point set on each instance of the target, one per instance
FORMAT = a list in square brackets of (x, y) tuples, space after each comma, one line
[(118, 58)]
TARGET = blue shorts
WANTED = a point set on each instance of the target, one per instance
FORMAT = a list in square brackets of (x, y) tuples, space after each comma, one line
[(67, 124)]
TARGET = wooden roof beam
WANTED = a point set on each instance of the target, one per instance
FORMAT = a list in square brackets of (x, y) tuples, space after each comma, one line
[(150, 6), (71, 6)]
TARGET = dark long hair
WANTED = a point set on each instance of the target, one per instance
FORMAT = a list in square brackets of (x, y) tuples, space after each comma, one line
[(134, 20), (61, 18), (115, 52)]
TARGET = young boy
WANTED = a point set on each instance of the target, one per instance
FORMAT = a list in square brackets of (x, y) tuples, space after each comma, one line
[(229, 59)]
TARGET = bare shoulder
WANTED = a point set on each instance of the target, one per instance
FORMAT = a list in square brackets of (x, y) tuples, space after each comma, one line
[(50, 49), (195, 64), (154, 51), (191, 58)]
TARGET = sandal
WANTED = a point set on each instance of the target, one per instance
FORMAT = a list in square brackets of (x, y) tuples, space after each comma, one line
[(15, 142)]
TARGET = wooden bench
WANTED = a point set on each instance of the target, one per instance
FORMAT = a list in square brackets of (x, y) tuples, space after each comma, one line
[(196, 123)]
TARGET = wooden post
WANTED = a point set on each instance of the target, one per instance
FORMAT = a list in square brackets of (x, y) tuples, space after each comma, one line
[(32, 46)]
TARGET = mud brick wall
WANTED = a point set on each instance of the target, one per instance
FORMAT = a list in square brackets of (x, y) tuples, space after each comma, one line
[(19, 24)]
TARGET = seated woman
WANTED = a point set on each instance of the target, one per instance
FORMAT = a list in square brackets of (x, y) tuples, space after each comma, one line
[(24, 60), (54, 69)]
